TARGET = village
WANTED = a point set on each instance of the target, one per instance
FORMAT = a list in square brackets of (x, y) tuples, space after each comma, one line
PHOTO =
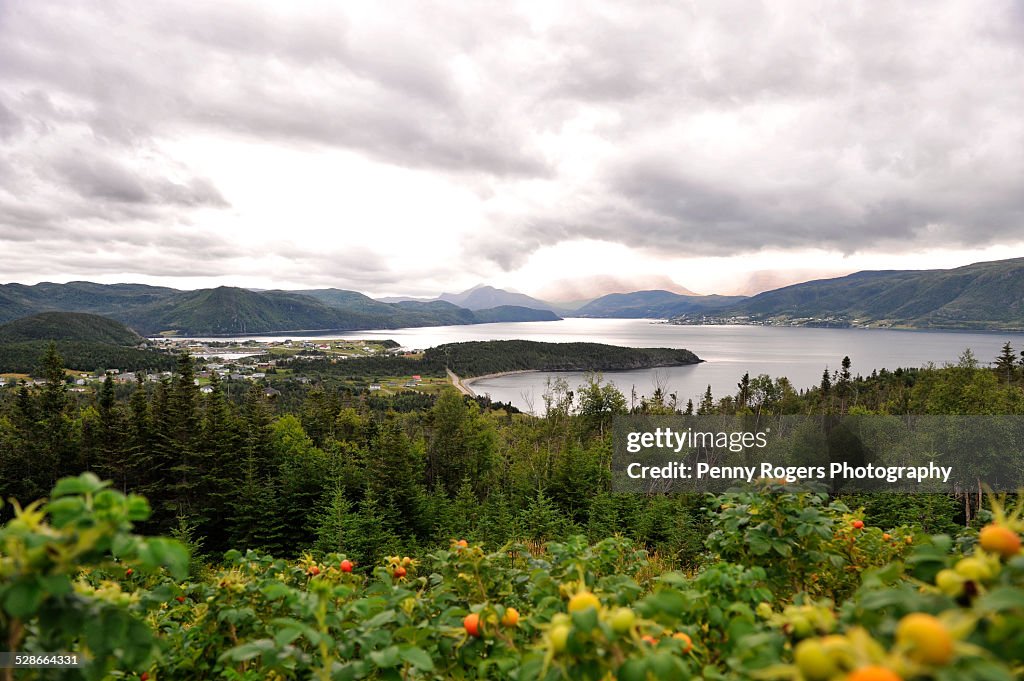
[(256, 361)]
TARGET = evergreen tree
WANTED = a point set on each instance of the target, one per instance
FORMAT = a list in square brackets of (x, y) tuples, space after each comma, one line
[(331, 523), (393, 472), (541, 521), (1006, 363), (707, 403), (184, 422), (447, 451), (743, 396), (217, 460), (58, 453)]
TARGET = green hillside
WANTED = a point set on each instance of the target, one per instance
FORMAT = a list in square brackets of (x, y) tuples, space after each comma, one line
[(988, 295), (72, 326), (230, 310), (19, 300), (476, 358), (515, 313), (651, 305)]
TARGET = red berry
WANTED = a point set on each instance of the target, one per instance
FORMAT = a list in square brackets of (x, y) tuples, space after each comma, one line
[(180, 599), (346, 566), (858, 524), (314, 570), (128, 572), (400, 571), (144, 676)]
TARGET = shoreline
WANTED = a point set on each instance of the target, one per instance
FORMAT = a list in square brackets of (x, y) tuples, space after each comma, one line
[(465, 385), (468, 382)]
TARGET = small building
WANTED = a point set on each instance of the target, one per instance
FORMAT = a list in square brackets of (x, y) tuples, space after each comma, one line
[(375, 386)]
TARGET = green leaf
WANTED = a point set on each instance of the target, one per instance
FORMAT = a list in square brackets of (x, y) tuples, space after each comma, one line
[(168, 553), (56, 585), (23, 598), (388, 657), (86, 483), (1000, 599), (286, 635), (380, 619), (65, 511), (585, 620), (250, 650), (137, 508), (275, 590), (417, 657)]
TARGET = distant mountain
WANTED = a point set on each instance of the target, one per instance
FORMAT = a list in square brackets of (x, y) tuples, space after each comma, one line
[(652, 305), (986, 295), (19, 300), (484, 297), (69, 326), (228, 310), (584, 289), (515, 313)]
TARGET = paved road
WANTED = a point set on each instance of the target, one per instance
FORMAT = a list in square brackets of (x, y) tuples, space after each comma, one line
[(457, 382)]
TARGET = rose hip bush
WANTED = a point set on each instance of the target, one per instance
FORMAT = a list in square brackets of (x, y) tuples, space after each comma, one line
[(793, 587)]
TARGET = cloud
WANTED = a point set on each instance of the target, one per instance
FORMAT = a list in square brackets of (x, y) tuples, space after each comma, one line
[(711, 130)]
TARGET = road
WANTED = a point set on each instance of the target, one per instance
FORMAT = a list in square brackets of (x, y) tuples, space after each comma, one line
[(457, 382)]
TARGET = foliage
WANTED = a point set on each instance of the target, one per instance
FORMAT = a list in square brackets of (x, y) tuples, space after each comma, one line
[(565, 610), (50, 596), (476, 358)]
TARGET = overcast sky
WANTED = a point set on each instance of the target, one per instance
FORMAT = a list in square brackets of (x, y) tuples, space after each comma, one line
[(556, 148)]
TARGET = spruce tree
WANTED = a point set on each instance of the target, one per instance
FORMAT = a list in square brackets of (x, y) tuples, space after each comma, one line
[(1006, 363)]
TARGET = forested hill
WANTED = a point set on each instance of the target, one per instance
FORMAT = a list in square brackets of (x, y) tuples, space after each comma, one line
[(86, 342), (652, 305), (74, 326), (986, 295), (477, 358), (230, 310)]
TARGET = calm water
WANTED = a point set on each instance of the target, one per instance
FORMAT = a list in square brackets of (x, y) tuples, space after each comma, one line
[(798, 353)]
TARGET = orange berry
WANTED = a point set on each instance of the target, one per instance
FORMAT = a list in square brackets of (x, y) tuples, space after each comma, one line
[(873, 673), (471, 623), (687, 641), (400, 571), (346, 566), (999, 539), (886, 536), (927, 639), (510, 618), (858, 524), (650, 639)]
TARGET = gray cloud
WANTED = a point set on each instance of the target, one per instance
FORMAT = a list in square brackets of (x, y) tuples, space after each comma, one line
[(709, 129)]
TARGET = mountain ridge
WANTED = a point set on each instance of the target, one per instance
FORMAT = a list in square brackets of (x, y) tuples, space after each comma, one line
[(980, 296)]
